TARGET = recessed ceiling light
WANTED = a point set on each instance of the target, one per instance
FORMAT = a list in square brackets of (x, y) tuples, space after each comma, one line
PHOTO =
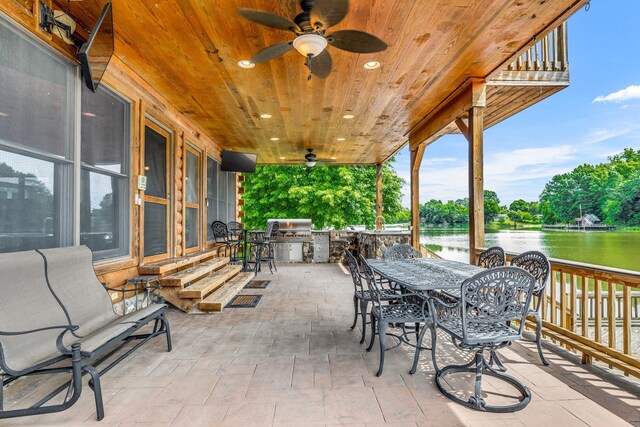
[(265, 116), (340, 139), (275, 139), (282, 158), (333, 158), (88, 114), (371, 65), (348, 116), (245, 63)]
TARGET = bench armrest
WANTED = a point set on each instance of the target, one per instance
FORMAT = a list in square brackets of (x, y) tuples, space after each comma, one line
[(149, 292), (48, 328)]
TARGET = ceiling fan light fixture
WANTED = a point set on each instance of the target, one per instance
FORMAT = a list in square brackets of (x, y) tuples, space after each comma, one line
[(309, 163), (246, 63), (310, 44), (371, 65)]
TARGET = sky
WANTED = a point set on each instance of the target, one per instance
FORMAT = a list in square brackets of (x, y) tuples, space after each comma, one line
[(597, 116)]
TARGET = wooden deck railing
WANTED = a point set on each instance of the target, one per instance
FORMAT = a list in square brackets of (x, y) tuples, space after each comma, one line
[(594, 310), (549, 53)]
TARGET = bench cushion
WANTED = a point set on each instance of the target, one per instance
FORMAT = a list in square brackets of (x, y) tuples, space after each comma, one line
[(26, 303), (73, 280)]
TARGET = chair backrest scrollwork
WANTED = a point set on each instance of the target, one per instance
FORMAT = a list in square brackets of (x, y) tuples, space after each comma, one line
[(535, 263), (220, 232), (401, 251), (492, 258), (495, 296)]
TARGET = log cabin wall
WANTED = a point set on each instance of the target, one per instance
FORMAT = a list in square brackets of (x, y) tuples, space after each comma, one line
[(146, 103)]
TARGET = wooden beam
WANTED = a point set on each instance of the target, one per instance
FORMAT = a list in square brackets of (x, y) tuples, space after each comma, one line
[(476, 181), (471, 94), (416, 161), (379, 196)]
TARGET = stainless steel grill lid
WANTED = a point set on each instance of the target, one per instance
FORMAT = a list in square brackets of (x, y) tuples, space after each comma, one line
[(294, 225)]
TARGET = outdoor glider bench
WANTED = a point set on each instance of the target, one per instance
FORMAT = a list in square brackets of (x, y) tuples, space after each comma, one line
[(56, 317)]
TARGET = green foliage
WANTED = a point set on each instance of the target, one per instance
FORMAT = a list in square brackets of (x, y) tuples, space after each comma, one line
[(457, 212), (332, 196), (608, 190)]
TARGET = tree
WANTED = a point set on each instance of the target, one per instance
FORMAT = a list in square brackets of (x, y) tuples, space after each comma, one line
[(608, 190), (332, 196), (491, 205)]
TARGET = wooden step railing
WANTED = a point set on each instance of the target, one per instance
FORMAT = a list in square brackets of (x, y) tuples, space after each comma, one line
[(594, 310), (549, 53)]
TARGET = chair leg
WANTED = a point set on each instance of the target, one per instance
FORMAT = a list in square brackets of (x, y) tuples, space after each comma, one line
[(382, 332), (363, 313), (373, 332), (476, 400), (167, 331), (355, 309), (272, 257), (539, 340), (434, 337), (94, 383), (418, 348), (495, 360)]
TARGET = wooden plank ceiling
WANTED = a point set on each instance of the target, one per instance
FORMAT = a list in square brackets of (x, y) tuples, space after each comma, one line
[(189, 50)]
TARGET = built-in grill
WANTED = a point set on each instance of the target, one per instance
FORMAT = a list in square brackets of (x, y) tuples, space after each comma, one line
[(292, 235), (294, 230)]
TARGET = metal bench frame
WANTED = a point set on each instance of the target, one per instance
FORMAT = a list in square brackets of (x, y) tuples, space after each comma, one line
[(76, 361)]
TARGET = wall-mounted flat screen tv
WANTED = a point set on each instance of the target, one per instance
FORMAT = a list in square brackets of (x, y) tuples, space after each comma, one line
[(232, 161), (96, 53)]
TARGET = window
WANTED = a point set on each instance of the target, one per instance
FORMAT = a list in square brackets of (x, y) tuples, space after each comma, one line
[(38, 114), (221, 195), (104, 207), (37, 111)]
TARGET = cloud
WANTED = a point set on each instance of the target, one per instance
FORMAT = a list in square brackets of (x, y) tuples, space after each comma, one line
[(599, 135), (438, 160), (626, 94)]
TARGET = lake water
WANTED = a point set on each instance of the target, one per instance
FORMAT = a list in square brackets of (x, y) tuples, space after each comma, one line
[(614, 249)]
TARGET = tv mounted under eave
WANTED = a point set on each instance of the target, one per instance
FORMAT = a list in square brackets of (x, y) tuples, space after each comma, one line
[(96, 53), (232, 161)]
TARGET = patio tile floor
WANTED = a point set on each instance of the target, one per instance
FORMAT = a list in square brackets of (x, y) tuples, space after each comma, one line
[(294, 361)]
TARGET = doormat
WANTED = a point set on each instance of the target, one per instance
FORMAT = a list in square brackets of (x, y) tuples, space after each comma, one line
[(244, 301), (257, 284)]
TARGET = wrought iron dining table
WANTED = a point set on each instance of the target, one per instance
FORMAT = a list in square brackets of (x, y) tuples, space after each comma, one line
[(425, 274)]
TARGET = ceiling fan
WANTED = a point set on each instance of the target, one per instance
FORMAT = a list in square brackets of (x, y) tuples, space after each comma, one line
[(310, 159), (311, 26)]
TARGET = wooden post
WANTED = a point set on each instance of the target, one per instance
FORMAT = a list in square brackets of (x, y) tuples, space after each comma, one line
[(473, 131), (476, 181), (416, 161), (379, 196)]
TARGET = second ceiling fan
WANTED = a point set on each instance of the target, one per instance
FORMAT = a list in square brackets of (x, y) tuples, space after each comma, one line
[(311, 26)]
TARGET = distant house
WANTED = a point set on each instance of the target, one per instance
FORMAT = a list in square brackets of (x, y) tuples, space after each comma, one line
[(588, 220)]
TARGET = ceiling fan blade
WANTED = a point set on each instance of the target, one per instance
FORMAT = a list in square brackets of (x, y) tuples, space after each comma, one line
[(271, 52), (321, 65), (327, 13), (356, 41), (269, 19)]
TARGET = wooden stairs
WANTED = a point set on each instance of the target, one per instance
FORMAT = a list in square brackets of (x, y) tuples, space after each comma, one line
[(198, 283)]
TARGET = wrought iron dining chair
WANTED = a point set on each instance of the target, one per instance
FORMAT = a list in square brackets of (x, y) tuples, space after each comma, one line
[(401, 251), (538, 265), (275, 227), (479, 322), (409, 307), (221, 235), (261, 247), (492, 257), (362, 297), (236, 237)]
